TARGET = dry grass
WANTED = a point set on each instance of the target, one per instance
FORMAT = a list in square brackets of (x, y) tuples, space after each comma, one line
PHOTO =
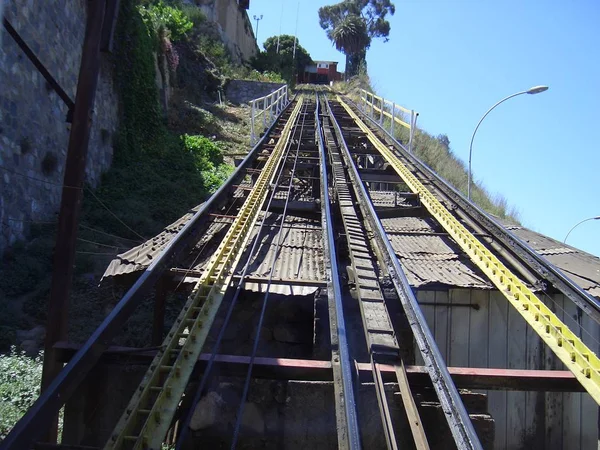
[(437, 154)]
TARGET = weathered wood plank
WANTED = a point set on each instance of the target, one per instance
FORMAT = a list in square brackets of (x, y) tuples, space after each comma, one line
[(479, 329), (516, 359), (441, 323), (459, 319), (497, 357)]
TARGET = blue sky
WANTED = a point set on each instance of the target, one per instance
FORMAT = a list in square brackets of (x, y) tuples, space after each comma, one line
[(451, 61)]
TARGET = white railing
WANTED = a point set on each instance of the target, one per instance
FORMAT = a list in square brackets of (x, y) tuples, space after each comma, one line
[(378, 107), (269, 108)]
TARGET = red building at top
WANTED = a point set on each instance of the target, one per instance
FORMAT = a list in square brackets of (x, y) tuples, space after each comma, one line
[(320, 72)]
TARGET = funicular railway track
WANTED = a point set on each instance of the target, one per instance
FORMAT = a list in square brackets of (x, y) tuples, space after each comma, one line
[(308, 170)]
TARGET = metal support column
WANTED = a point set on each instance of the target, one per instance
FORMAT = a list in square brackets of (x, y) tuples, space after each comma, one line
[(64, 253)]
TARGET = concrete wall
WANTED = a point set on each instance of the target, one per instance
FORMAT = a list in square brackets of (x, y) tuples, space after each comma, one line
[(233, 26), (496, 336), (33, 131), (242, 91)]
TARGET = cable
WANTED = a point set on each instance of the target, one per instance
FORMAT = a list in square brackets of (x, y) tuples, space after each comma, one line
[(108, 234), (114, 215), (207, 371), (96, 253), (74, 187), (101, 245), (240, 413), (6, 169), (40, 222)]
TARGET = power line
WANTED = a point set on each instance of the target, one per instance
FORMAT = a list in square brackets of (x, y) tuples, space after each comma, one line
[(115, 216)]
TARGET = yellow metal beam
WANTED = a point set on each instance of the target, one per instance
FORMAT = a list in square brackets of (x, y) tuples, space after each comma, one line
[(576, 356), (148, 416)]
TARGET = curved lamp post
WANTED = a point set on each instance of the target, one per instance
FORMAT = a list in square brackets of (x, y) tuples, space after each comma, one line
[(533, 90), (577, 224)]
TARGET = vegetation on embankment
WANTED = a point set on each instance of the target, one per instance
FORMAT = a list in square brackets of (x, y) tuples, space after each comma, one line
[(164, 163), (435, 151)]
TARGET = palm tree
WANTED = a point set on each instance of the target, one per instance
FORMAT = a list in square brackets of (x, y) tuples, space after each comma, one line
[(351, 37)]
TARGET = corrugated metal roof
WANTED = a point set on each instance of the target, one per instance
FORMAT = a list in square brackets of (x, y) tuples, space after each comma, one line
[(581, 267), (299, 258), (428, 257), (140, 257)]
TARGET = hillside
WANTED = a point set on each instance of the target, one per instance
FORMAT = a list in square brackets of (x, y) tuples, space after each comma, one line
[(435, 151)]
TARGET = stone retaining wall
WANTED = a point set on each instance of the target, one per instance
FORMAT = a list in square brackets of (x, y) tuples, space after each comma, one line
[(242, 91), (33, 132)]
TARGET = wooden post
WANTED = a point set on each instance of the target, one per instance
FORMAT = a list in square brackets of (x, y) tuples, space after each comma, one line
[(64, 253)]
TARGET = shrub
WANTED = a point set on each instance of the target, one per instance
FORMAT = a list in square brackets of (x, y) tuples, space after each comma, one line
[(207, 154), (161, 15), (20, 378)]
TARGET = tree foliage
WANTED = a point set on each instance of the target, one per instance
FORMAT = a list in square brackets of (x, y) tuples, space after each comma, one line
[(282, 62), (352, 24)]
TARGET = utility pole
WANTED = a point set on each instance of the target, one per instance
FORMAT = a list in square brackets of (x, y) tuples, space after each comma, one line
[(280, 22), (257, 18), (72, 193)]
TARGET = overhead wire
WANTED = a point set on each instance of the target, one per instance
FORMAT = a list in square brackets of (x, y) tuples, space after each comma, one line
[(233, 302), (77, 188), (240, 412)]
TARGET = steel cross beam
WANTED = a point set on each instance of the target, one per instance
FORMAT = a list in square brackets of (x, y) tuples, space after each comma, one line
[(455, 412), (565, 344)]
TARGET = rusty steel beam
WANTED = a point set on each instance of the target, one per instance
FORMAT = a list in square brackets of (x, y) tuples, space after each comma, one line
[(41, 68), (38, 418), (72, 194), (288, 368)]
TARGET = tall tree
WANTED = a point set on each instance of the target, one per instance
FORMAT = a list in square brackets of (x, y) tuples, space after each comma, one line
[(287, 62), (352, 24)]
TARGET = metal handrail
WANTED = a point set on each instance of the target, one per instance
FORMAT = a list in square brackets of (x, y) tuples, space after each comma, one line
[(276, 100), (377, 104)]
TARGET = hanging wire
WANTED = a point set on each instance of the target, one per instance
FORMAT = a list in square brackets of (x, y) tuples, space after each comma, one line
[(216, 346), (78, 188), (240, 412), (6, 169), (85, 227), (114, 215)]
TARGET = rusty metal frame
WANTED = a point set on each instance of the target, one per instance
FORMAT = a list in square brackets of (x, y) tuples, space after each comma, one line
[(41, 68), (39, 417)]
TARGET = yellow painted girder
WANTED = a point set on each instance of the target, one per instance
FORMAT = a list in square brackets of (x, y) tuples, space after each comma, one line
[(576, 356), (148, 416)]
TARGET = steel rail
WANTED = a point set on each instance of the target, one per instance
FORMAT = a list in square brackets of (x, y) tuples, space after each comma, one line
[(566, 345), (240, 413), (156, 401), (335, 291), (207, 371), (454, 410), (39, 416), (531, 258), (379, 332)]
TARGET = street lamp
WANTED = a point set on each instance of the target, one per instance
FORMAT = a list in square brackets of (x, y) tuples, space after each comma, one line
[(533, 90), (577, 224), (257, 18)]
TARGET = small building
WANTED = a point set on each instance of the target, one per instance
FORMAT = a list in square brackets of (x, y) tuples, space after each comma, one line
[(320, 72)]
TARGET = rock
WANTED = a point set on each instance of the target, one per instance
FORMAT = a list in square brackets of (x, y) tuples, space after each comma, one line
[(253, 419), (206, 412), (30, 347), (289, 333)]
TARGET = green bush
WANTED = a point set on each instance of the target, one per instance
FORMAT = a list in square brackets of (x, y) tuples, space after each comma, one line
[(20, 378), (216, 177), (207, 154), (161, 15)]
